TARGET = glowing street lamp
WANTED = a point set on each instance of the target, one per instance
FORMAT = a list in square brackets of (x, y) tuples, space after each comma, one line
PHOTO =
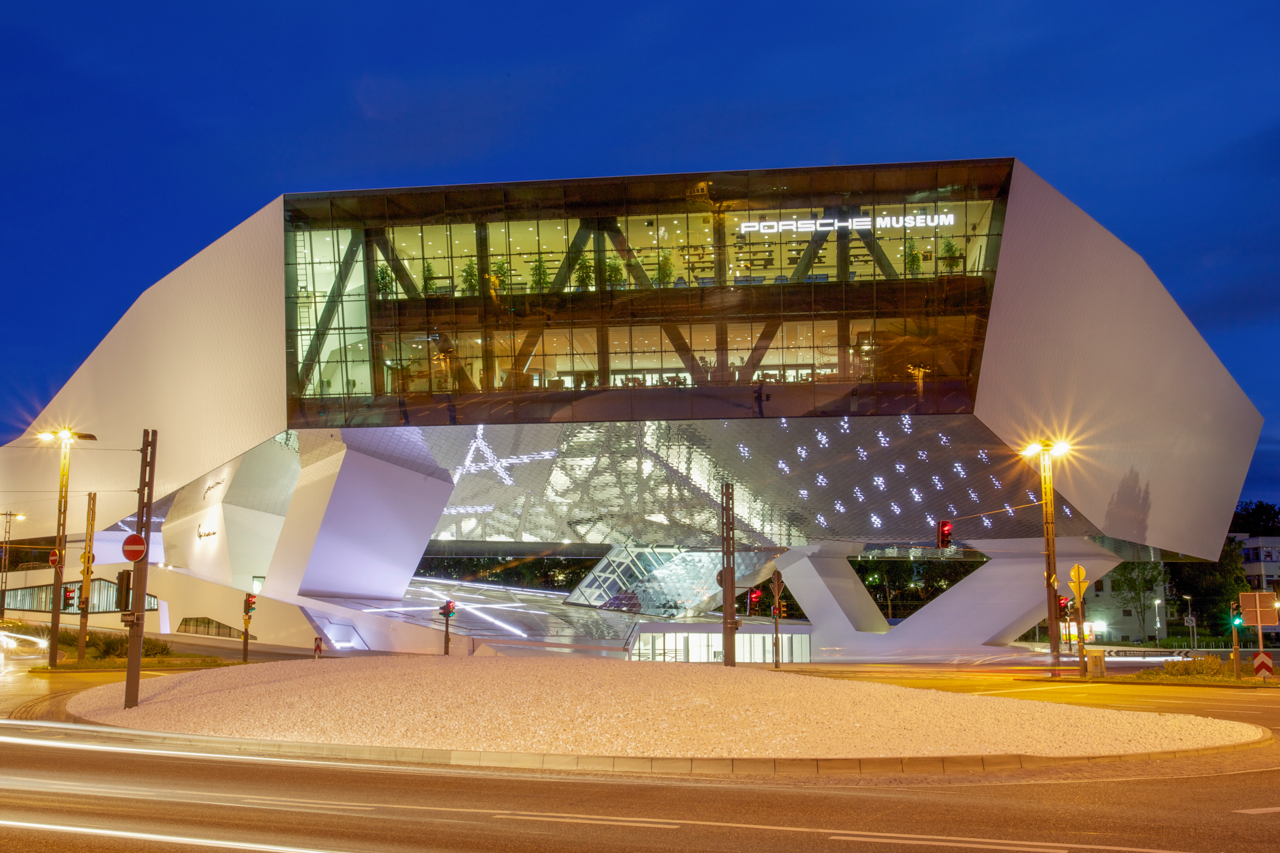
[(1047, 451), (66, 437), (9, 518)]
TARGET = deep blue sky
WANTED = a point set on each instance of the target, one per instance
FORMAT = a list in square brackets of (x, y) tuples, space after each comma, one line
[(136, 134)]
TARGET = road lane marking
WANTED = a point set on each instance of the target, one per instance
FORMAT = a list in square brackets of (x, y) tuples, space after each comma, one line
[(1257, 811), (169, 839), (1026, 689), (953, 844), (593, 822), (1231, 710)]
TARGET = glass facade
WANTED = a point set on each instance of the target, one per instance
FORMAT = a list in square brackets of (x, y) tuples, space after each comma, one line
[(676, 646), (831, 291)]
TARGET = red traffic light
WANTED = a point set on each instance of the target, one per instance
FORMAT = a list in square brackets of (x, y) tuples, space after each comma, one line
[(1062, 603), (755, 594), (250, 603), (447, 609), (68, 597), (944, 533)]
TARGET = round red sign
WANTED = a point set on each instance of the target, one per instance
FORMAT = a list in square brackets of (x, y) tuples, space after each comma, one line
[(53, 559), (134, 548)]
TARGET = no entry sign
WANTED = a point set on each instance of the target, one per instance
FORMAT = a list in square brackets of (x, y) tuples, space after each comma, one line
[(53, 559), (134, 548)]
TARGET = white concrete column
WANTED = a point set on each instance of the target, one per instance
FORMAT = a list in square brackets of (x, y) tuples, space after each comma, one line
[(360, 518), (831, 594)]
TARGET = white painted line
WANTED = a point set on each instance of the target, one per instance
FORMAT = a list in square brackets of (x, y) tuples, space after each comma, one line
[(950, 844), (1257, 811), (1026, 689), (170, 839), (1231, 710), (592, 822)]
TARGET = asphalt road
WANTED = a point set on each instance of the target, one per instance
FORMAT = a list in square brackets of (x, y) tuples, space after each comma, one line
[(65, 788)]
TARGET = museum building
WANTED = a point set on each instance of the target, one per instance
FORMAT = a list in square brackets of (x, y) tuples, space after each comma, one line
[(347, 379)]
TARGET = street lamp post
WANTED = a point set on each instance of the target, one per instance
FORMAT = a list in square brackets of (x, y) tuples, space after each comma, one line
[(1047, 452), (66, 437), (4, 562)]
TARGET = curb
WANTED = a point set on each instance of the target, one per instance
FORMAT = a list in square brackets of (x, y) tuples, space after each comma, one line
[(1113, 681), (924, 765)]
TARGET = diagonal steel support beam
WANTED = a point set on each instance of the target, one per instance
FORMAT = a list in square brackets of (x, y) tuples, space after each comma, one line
[(330, 309), (807, 257), (868, 238), (685, 352), (444, 343), (623, 248), (565, 273), (524, 355), (761, 348), (398, 268)]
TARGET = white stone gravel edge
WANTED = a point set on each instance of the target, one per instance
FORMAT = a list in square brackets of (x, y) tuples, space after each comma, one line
[(931, 765)]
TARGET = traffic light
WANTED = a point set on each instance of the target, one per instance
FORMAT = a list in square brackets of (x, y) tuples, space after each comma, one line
[(250, 604), (782, 608), (1063, 601), (1237, 618), (446, 609), (68, 597), (944, 533), (124, 584)]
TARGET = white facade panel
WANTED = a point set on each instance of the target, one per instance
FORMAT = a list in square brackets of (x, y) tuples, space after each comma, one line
[(1085, 344), (199, 356)]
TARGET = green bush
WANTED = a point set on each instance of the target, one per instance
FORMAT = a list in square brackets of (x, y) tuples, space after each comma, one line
[(1209, 665), (153, 648)]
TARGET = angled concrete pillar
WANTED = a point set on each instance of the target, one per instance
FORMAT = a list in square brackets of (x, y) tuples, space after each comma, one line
[(361, 516), (832, 595), (992, 607)]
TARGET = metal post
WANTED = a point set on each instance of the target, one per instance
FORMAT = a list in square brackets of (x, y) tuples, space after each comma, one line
[(1235, 639), (244, 637), (776, 582), (55, 613), (4, 569), (1084, 669), (146, 484), (1050, 550), (446, 636), (728, 574), (86, 575)]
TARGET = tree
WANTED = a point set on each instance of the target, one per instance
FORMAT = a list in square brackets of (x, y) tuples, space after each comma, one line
[(1132, 584), (1256, 518), (1212, 586)]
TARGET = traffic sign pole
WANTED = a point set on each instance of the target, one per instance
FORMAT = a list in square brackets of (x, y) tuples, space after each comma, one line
[(776, 582), (138, 614), (86, 575), (1078, 586)]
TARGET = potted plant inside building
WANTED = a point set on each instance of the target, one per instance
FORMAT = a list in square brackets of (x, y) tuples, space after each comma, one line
[(666, 267), (500, 275), (911, 257), (428, 274), (386, 281), (539, 275), (470, 278), (584, 275), (615, 274), (950, 256)]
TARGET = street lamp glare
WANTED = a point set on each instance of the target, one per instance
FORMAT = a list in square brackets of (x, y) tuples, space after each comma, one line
[(45, 436), (1060, 448), (1032, 449), (20, 517)]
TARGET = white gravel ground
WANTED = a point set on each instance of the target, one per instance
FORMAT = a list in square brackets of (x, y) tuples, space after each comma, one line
[(590, 706)]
